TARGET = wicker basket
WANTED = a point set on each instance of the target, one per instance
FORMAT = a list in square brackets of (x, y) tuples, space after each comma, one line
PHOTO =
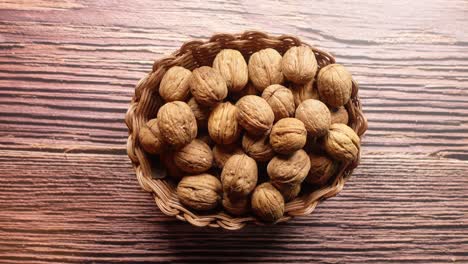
[(191, 55)]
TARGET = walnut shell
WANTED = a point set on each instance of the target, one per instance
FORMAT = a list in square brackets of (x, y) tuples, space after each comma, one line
[(342, 143), (249, 89), (289, 192), (205, 137), (315, 116), (174, 85), (208, 86), (288, 135), (200, 192), (299, 64), (258, 147), (335, 85), (236, 207), (254, 114), (281, 101), (265, 68), (232, 66), (289, 170), (321, 169), (194, 158), (177, 124), (239, 176), (167, 159), (267, 203), (150, 137), (302, 92), (339, 115), (222, 153), (223, 125), (201, 113)]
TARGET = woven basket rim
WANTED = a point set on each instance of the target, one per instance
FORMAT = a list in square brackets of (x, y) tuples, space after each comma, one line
[(194, 54)]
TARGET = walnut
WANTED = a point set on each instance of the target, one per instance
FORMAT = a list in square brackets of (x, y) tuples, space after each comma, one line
[(208, 86), (249, 89), (339, 115), (267, 203), (289, 192), (196, 157), (315, 116), (342, 143), (150, 137), (254, 114), (177, 124), (239, 176), (302, 92), (236, 207), (265, 68), (232, 66), (321, 169), (335, 85), (288, 135), (200, 192), (258, 147), (289, 170), (174, 85), (280, 99), (201, 113), (299, 64), (222, 153), (167, 159), (222, 124)]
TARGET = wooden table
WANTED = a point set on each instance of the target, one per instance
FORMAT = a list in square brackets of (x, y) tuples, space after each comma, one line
[(68, 192)]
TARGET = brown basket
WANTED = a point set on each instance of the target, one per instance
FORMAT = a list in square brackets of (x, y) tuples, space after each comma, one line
[(191, 55)]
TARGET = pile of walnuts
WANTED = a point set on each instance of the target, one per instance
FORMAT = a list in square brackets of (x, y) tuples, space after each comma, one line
[(223, 124)]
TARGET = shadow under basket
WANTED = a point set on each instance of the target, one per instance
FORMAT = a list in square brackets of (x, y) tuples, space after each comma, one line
[(194, 54)]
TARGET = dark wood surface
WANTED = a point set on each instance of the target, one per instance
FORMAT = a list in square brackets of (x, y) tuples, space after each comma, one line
[(68, 193)]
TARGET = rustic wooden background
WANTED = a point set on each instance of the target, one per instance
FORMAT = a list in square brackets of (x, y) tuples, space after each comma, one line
[(68, 193)]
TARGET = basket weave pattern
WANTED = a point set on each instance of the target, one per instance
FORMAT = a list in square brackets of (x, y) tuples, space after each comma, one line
[(194, 54)]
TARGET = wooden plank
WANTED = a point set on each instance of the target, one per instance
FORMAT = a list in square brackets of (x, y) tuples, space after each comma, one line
[(87, 207)]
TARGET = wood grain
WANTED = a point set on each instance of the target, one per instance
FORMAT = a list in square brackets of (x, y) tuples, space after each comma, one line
[(68, 193)]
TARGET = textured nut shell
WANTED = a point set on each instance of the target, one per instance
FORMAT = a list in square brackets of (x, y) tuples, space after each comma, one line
[(236, 206), (254, 114), (201, 113), (302, 92), (223, 125), (208, 86), (342, 143), (339, 115), (206, 138), (196, 157), (258, 147), (299, 64), (289, 192), (267, 203), (335, 85), (177, 123), (321, 169), (222, 153), (265, 68), (232, 66), (288, 135), (289, 170), (249, 89), (315, 116), (200, 192), (239, 175), (175, 84), (167, 159), (280, 99), (150, 137)]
